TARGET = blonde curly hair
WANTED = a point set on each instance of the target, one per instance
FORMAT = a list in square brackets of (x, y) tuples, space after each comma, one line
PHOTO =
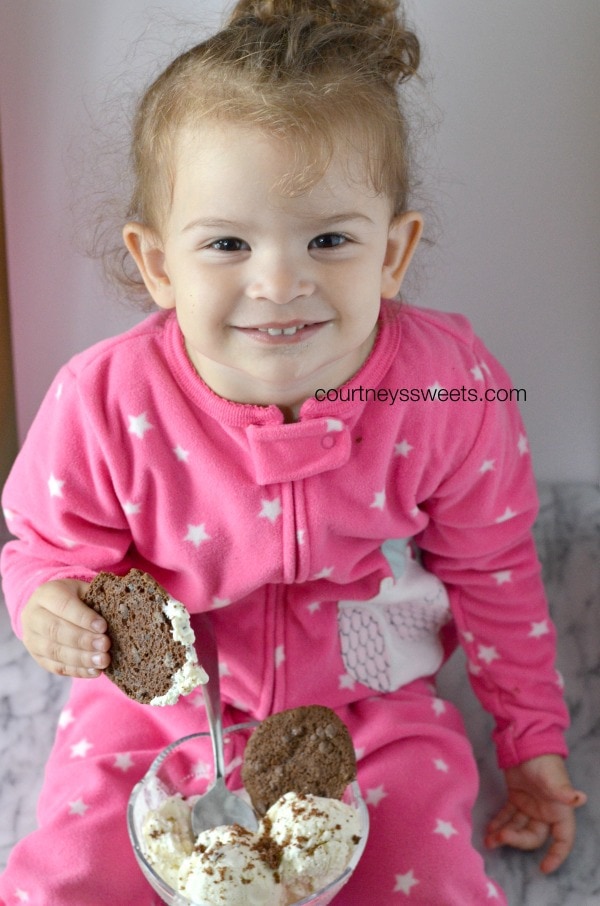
[(309, 71)]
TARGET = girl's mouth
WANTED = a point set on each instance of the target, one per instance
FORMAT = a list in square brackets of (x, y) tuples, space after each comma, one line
[(282, 331)]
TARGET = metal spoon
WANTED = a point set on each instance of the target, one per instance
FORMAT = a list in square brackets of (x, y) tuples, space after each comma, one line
[(217, 805)]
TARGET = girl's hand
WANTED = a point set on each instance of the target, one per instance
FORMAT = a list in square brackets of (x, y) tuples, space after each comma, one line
[(541, 805), (63, 634)]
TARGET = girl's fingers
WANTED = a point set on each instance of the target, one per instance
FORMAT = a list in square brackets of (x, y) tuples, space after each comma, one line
[(68, 607), (503, 817), (514, 828), (60, 631), (529, 835), (63, 634), (555, 856), (61, 669), (70, 659)]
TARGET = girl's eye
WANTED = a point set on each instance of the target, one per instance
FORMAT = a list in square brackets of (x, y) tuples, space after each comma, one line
[(229, 244), (327, 241)]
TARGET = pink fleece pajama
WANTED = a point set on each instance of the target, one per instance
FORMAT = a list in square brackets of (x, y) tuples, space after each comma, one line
[(299, 539)]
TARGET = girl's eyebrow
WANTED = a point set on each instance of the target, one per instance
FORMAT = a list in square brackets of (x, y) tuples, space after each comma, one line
[(212, 223), (344, 216), (319, 219)]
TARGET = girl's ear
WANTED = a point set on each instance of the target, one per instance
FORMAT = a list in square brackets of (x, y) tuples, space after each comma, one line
[(403, 239), (145, 248)]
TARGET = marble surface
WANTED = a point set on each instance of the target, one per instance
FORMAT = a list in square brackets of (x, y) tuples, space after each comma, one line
[(568, 536)]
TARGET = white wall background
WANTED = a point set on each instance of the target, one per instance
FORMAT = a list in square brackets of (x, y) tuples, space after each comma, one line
[(512, 183)]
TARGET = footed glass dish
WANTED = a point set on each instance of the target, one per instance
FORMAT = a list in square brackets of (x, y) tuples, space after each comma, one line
[(186, 767)]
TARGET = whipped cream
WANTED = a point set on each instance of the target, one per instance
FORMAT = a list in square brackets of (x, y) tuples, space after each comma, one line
[(191, 674)]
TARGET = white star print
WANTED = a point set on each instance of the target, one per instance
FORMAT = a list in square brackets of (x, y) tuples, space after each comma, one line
[(488, 465), (492, 891), (202, 769), (475, 669), (78, 807), (445, 828), (477, 373), (359, 752), (81, 748), (181, 454), (55, 486), (539, 629), (220, 602), (131, 509), (375, 795), (279, 656), (523, 445), (403, 448), (66, 718), (439, 706), (123, 761), (346, 681), (314, 607), (334, 424), (300, 536), (22, 895), (487, 653), (271, 509), (223, 669), (197, 534), (139, 424), (468, 636), (379, 500), (441, 765), (405, 882), (435, 389), (506, 515), (324, 573), (503, 576), (234, 763), (68, 542)]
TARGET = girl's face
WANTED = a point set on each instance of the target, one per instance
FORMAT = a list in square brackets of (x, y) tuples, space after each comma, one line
[(276, 296)]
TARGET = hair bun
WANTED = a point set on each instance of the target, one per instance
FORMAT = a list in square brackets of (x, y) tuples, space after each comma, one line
[(378, 29), (351, 12)]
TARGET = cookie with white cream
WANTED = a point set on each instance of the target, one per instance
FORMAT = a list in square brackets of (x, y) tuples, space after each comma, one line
[(153, 658)]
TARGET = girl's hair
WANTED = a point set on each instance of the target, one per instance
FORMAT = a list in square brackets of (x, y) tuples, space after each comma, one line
[(311, 71)]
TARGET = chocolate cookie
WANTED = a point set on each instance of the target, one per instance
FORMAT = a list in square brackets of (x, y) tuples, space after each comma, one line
[(152, 654), (304, 750)]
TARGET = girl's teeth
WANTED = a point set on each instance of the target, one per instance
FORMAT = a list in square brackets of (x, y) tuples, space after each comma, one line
[(281, 331)]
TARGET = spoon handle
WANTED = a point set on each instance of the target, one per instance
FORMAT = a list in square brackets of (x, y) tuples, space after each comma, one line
[(209, 658)]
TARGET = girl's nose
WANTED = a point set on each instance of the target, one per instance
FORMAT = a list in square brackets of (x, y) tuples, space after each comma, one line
[(278, 281)]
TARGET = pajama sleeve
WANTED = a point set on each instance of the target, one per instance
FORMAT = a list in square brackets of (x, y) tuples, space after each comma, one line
[(478, 541), (60, 500)]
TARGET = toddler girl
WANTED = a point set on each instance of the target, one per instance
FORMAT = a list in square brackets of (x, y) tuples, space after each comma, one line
[(245, 447)]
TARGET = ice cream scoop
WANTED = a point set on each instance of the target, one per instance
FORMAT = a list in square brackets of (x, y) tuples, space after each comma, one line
[(226, 867), (168, 837), (317, 837)]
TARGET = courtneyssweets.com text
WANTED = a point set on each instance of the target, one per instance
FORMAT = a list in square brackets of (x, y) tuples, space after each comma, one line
[(419, 394)]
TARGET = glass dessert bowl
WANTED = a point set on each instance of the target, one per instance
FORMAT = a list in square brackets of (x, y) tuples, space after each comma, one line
[(185, 769)]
